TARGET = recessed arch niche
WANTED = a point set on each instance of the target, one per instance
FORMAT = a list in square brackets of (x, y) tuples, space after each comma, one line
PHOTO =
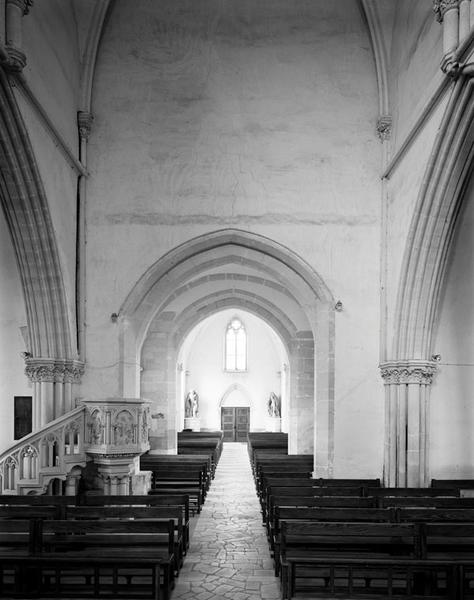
[(241, 270), (202, 368)]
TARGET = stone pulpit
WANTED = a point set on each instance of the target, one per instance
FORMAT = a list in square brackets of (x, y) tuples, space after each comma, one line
[(116, 435)]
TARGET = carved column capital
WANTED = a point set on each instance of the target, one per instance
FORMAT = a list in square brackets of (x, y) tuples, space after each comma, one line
[(15, 60), (384, 127), (54, 370), (440, 7), (408, 371), (84, 123), (23, 5)]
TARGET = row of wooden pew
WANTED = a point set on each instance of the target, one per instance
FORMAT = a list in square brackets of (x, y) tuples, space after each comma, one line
[(63, 546), (190, 471), (93, 546), (355, 538)]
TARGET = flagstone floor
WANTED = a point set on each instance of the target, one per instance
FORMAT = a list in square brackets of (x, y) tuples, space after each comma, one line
[(228, 556)]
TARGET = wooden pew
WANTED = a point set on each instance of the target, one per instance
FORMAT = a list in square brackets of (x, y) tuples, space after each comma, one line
[(204, 439), (313, 501), (379, 578), (81, 576), (193, 494), (148, 461), (201, 446), (145, 500), (447, 541), (37, 500), (36, 559), (17, 511), (17, 536), (323, 514), (183, 481), (276, 442), (420, 501), (57, 507), (280, 461), (460, 484), (274, 488), (119, 539), (328, 487), (412, 492), (452, 543), (434, 515), (268, 452), (304, 546), (267, 440), (164, 513)]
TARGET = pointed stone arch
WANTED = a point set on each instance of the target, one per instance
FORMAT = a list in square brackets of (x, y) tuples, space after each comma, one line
[(50, 330), (409, 373), (433, 225), (260, 275), (233, 388)]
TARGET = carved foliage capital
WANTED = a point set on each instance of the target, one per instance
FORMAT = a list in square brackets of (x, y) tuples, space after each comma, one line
[(15, 60), (54, 370), (23, 5), (384, 127), (440, 7), (84, 123), (406, 372)]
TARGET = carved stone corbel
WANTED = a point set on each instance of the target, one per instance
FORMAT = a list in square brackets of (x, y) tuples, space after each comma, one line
[(440, 8), (384, 127), (84, 123)]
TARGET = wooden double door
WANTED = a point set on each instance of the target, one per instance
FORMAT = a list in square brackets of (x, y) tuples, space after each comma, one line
[(235, 421)]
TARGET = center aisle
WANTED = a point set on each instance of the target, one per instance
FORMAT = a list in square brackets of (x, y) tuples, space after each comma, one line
[(228, 555)]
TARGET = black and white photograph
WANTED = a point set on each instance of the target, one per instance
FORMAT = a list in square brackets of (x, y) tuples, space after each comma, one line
[(237, 299)]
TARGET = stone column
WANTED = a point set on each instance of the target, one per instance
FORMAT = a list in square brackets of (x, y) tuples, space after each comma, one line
[(84, 126), (15, 10), (52, 380), (301, 413), (406, 422), (447, 13), (464, 19)]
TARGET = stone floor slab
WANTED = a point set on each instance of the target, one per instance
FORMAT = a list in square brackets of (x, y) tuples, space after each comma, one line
[(228, 556)]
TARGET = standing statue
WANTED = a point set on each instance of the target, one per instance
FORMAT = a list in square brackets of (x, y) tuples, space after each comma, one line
[(274, 405), (191, 404)]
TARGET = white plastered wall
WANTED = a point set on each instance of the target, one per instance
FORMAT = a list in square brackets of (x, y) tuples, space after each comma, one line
[(12, 316), (452, 407)]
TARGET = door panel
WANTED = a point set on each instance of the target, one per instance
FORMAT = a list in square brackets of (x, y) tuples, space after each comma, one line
[(228, 424), (235, 421), (242, 417), (23, 416)]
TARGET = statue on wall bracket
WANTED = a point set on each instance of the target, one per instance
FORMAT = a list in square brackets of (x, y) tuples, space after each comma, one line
[(274, 405), (191, 404)]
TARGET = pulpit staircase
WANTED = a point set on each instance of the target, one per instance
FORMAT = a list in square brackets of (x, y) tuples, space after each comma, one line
[(42, 458), (108, 435)]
